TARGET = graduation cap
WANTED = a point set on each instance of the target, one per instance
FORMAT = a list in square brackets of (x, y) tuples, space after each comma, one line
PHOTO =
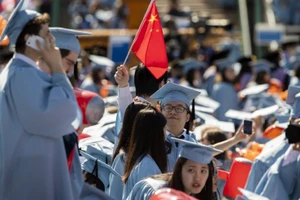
[(247, 195), (256, 89), (242, 115), (292, 91), (207, 102), (102, 61), (192, 63), (67, 38), (224, 63), (203, 109), (16, 22), (88, 192), (172, 92), (98, 147), (212, 121), (262, 66), (196, 152), (95, 166)]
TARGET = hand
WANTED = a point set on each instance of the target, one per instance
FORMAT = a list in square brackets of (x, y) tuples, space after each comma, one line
[(122, 76), (240, 135), (51, 55)]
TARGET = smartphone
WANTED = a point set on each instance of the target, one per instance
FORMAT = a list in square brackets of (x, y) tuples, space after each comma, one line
[(248, 127), (293, 133), (31, 41)]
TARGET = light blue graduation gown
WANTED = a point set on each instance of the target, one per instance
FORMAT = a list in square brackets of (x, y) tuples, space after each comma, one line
[(145, 168), (144, 189), (36, 112), (115, 184), (226, 95), (175, 149), (265, 160), (279, 183)]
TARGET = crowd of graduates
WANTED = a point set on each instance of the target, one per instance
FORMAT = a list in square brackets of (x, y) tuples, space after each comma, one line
[(76, 125)]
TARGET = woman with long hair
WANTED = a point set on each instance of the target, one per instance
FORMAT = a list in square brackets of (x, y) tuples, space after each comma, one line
[(119, 156), (193, 174), (146, 153)]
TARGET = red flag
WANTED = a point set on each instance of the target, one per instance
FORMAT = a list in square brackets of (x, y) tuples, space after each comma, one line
[(149, 44)]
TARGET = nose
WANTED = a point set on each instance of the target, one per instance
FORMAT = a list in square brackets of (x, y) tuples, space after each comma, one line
[(197, 176), (173, 111)]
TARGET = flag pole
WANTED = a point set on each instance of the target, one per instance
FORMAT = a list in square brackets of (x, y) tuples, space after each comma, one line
[(128, 53)]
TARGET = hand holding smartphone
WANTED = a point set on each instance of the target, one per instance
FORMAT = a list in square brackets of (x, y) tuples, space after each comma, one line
[(31, 41), (248, 127)]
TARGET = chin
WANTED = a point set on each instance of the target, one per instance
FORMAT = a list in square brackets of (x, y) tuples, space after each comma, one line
[(196, 190)]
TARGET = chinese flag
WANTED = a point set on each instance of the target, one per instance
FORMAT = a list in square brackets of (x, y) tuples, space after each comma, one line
[(149, 44)]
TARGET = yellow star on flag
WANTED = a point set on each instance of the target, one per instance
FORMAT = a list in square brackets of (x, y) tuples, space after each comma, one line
[(153, 18)]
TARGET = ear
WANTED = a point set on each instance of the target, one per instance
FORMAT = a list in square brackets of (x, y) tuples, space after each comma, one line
[(188, 116)]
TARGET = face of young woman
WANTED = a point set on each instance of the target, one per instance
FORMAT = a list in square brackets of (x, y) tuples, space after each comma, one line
[(194, 176)]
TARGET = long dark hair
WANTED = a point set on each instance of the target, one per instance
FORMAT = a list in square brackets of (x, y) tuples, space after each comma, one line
[(147, 138), (125, 133), (176, 180)]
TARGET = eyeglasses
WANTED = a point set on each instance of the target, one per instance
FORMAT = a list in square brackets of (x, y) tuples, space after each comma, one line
[(178, 109)]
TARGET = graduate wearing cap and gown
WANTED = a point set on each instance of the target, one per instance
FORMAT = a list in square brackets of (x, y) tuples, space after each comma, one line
[(66, 40), (175, 101), (195, 152), (280, 182), (193, 70), (95, 82), (224, 92), (36, 112), (271, 152)]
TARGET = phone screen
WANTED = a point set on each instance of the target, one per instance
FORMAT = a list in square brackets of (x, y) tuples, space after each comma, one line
[(248, 127)]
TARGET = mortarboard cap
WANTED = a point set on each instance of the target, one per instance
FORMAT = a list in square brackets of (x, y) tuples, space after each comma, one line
[(192, 63), (196, 152), (241, 115), (101, 61), (212, 121), (292, 91), (203, 109), (224, 63), (172, 92), (98, 147), (261, 66), (16, 22), (256, 89), (67, 38), (207, 102), (104, 170), (88, 192), (250, 195)]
